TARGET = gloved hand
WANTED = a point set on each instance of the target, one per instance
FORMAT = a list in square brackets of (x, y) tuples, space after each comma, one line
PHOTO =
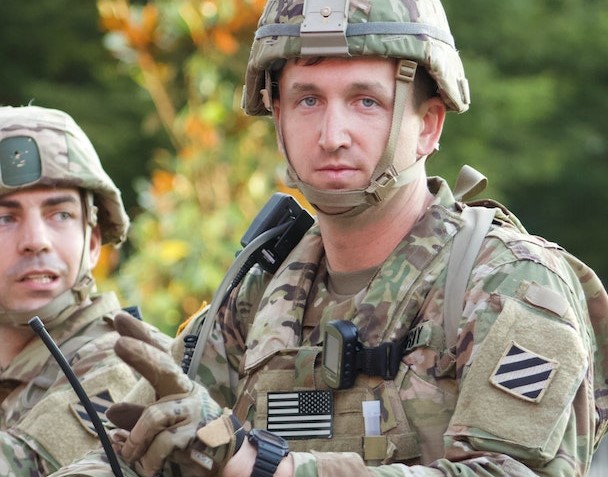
[(166, 429)]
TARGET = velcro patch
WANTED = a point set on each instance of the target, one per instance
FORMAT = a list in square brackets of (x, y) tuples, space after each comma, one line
[(101, 402), (301, 414), (523, 374)]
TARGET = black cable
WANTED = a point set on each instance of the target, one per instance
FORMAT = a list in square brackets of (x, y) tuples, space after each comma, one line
[(37, 325)]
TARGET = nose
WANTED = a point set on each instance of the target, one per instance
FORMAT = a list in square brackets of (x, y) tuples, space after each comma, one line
[(334, 133), (34, 237)]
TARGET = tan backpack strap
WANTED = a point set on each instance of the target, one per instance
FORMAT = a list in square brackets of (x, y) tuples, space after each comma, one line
[(465, 248), (469, 183)]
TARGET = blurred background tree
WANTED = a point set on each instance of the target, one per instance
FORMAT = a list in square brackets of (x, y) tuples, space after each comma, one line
[(157, 86), (52, 54), (537, 123), (204, 190)]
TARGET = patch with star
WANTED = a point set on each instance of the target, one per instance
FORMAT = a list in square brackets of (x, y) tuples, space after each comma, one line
[(101, 402), (523, 373)]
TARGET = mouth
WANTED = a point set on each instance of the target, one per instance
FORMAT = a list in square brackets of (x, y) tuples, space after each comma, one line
[(336, 167), (338, 176), (40, 278)]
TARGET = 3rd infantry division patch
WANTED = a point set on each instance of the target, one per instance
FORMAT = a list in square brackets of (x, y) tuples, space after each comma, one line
[(101, 402), (523, 374)]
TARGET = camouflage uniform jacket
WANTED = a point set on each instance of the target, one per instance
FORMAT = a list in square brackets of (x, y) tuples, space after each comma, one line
[(448, 411), (40, 427), (462, 411)]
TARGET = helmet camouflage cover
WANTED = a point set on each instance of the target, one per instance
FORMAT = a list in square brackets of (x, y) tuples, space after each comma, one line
[(415, 30), (45, 147)]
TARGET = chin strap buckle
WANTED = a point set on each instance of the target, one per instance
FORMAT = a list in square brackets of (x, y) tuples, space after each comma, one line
[(380, 187)]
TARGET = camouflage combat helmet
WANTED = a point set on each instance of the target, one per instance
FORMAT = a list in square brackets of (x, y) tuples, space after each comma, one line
[(45, 147), (40, 146), (416, 32)]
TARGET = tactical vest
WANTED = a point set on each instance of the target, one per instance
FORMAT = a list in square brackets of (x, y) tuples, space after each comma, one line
[(415, 410), (275, 361)]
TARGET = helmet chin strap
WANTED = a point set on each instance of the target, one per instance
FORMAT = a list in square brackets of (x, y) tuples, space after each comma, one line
[(62, 306), (385, 179)]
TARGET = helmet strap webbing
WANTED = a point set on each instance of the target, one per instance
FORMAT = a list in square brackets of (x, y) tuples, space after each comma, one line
[(385, 178)]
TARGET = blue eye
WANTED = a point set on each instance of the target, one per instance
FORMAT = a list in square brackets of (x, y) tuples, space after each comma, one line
[(368, 102), (6, 219), (63, 216)]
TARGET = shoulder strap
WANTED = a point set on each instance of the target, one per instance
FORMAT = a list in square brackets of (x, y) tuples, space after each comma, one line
[(466, 245)]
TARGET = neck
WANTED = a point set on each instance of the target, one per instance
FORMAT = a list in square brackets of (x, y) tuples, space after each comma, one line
[(13, 339), (365, 241)]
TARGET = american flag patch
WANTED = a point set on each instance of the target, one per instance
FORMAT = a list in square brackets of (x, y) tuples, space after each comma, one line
[(101, 402), (301, 415), (523, 373)]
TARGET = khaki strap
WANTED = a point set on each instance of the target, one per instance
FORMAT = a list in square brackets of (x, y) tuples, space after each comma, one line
[(469, 183), (466, 245)]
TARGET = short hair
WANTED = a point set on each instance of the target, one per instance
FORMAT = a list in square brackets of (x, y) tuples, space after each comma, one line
[(425, 86)]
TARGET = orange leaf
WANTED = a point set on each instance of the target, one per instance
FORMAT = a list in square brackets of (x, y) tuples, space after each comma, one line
[(225, 42), (162, 182)]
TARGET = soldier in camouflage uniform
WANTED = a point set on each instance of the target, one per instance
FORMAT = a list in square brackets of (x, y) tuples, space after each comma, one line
[(57, 207), (358, 92)]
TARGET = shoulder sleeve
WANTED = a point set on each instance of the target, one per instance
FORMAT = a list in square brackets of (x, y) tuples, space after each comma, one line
[(18, 458), (525, 359)]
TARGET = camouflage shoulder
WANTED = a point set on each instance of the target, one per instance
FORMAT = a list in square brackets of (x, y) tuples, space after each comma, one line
[(60, 413), (18, 458)]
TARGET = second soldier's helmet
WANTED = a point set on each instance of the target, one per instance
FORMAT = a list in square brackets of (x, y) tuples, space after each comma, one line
[(415, 30), (45, 147), (41, 147)]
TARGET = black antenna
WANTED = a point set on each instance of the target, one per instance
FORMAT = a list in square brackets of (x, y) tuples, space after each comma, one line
[(37, 325)]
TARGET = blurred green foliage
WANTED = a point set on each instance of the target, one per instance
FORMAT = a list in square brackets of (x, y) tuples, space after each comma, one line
[(537, 124), (204, 190), (52, 54)]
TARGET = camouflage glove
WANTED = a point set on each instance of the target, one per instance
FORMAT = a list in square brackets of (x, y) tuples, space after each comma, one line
[(166, 429)]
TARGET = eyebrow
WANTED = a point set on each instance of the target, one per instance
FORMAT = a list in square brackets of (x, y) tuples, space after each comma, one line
[(373, 86), (48, 202)]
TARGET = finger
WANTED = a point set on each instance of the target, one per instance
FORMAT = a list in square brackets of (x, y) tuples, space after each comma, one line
[(164, 445), (124, 414), (155, 420), (158, 367), (127, 325), (118, 437)]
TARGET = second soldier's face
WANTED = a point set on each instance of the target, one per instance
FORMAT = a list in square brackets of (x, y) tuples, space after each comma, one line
[(334, 118), (42, 237)]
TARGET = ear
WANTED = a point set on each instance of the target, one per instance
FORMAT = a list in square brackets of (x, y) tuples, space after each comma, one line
[(276, 116), (432, 114), (94, 246)]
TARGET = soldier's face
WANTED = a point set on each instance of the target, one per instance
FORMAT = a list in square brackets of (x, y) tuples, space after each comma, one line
[(42, 237), (335, 116)]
